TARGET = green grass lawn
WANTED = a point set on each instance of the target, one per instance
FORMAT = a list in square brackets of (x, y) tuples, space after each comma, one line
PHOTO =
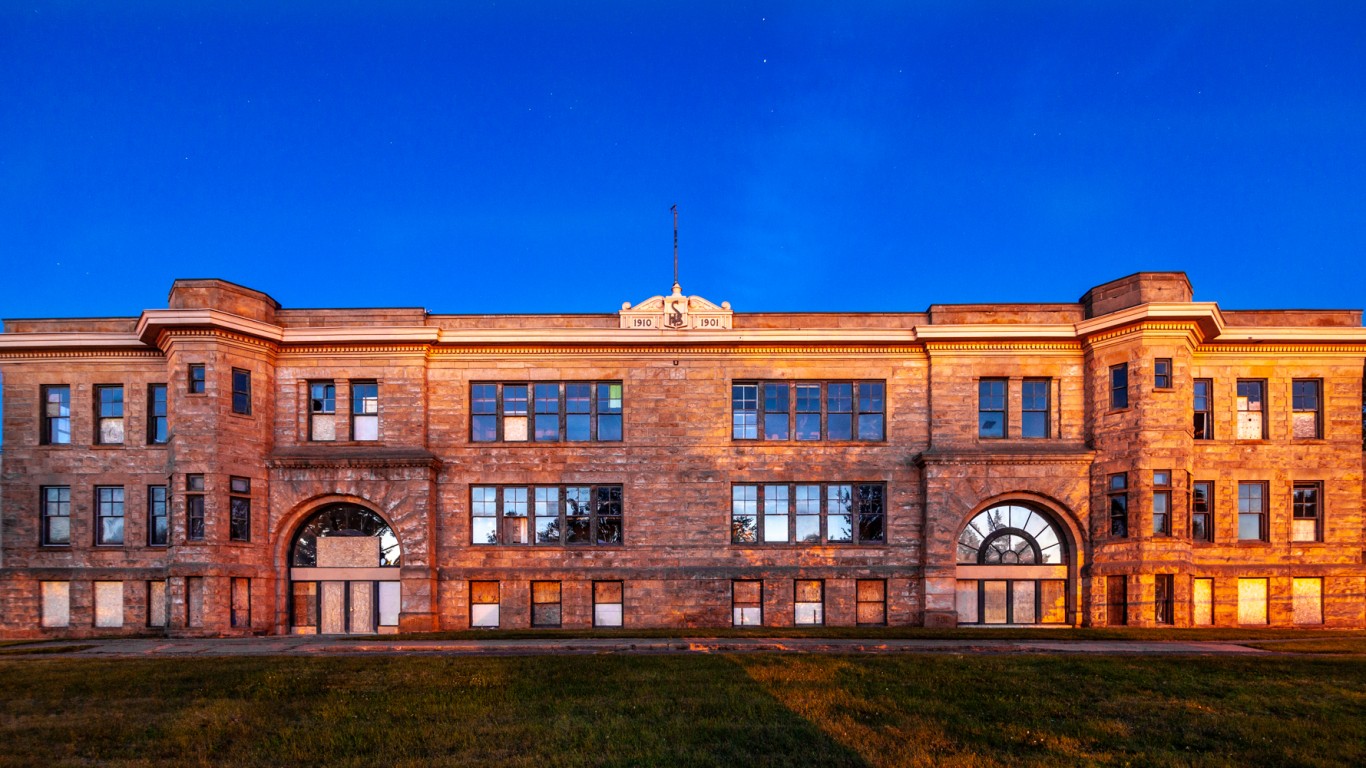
[(684, 710)]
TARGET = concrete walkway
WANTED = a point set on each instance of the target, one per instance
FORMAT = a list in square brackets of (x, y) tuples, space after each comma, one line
[(296, 645)]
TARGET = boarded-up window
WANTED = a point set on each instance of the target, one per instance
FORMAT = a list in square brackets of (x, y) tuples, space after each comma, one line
[(483, 603), (545, 604), (322, 411), (364, 410), (1305, 419), (1022, 604), (304, 606), (1202, 602), (607, 603), (156, 604), (1053, 601), (194, 601), (747, 603), (56, 603), (1308, 600), (241, 602), (967, 602), (390, 601), (1251, 404), (109, 604), (809, 602), (1252, 601), (871, 601), (994, 599)]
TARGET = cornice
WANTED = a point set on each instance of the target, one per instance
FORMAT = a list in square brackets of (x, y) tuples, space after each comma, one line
[(171, 335), (672, 351), (592, 337), (154, 322), (1324, 350), (30, 343), (322, 461), (1205, 315), (1188, 332), (83, 355)]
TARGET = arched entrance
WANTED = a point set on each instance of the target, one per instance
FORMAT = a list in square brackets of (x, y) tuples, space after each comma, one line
[(344, 576), (1013, 567)]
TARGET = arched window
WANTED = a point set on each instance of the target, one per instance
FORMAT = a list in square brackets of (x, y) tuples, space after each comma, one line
[(343, 520), (1010, 534)]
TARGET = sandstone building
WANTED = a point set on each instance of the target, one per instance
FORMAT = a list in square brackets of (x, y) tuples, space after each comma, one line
[(230, 466)]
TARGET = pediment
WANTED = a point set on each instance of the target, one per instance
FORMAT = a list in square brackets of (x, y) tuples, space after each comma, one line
[(676, 312)]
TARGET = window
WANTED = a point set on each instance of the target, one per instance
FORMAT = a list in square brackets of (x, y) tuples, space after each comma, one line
[(809, 602), (607, 603), (194, 601), (1202, 602), (545, 604), (1119, 504), (108, 604), (569, 411), (1251, 425), (1034, 402), (1119, 386), (1162, 502), (239, 509), (814, 513), (1307, 512), (1307, 600), (158, 429), (1252, 601), (870, 602), (1203, 406), (1306, 423), (56, 524), (56, 610), (364, 410), (747, 603), (195, 379), (1116, 601), (109, 415), (1202, 511), (303, 605), (322, 411), (1252, 511), (553, 515), (241, 602), (991, 408), (56, 415), (1162, 373), (108, 515), (837, 410), (483, 604), (156, 604), (194, 508), (241, 391), (1164, 598), (158, 532)]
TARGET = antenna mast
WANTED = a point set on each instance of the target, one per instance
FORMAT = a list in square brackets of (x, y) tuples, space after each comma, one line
[(674, 208)]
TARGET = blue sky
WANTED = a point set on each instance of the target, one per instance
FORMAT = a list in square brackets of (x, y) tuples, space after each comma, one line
[(522, 157)]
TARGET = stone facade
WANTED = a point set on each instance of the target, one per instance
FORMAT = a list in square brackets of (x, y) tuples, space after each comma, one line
[(678, 464)]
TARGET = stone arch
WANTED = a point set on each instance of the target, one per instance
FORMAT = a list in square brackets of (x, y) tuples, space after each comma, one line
[(1031, 587)]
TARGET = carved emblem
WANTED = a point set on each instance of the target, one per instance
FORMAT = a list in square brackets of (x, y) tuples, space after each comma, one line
[(676, 312)]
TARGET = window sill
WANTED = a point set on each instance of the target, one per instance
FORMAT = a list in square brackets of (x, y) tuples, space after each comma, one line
[(808, 544), (55, 547), (789, 443), (107, 446)]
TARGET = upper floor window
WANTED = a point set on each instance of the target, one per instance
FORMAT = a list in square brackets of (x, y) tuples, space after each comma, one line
[(991, 408), (1162, 502), (158, 428), (158, 529), (554, 515), (1162, 373), (239, 509), (1252, 511), (195, 379), (1307, 512), (241, 391), (109, 414), (364, 410), (1202, 405), (1202, 510), (1034, 408), (548, 411), (56, 415), (322, 411), (1251, 405), (814, 513), (1118, 494), (1119, 386), (56, 527), (1306, 419), (108, 514), (836, 410)]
